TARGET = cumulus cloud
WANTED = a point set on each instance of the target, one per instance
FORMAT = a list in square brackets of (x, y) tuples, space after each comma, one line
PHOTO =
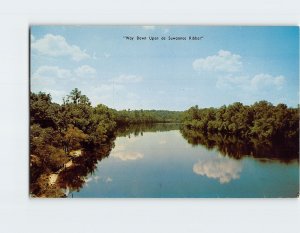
[(221, 168), (124, 78), (109, 92), (85, 71), (48, 75), (52, 79), (56, 46), (224, 61), (51, 71), (255, 83), (127, 155), (267, 80), (230, 82)]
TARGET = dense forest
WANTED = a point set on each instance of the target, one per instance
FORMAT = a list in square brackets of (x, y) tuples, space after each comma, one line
[(126, 117), (261, 120), (59, 133)]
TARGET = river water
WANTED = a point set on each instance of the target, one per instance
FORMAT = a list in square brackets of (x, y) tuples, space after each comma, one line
[(159, 162)]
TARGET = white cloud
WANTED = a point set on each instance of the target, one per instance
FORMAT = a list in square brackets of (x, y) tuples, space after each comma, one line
[(53, 79), (149, 27), (224, 61), (85, 71), (32, 38), (55, 72), (222, 168), (230, 82), (56, 45), (255, 83), (267, 80), (51, 72), (127, 155), (104, 93), (111, 92), (123, 78)]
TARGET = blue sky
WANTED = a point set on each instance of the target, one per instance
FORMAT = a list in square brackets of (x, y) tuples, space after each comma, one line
[(229, 64)]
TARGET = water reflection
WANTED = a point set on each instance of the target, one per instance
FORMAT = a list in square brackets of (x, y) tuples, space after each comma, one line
[(169, 166), (73, 177), (218, 167), (139, 129), (162, 141), (127, 155), (238, 148), (122, 152)]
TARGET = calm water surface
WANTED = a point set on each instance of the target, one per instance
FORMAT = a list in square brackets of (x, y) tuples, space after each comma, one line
[(164, 164)]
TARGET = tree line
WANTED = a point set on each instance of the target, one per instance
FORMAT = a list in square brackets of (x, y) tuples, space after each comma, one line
[(261, 120)]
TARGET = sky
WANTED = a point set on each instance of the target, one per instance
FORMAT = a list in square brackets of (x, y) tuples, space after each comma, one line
[(225, 65)]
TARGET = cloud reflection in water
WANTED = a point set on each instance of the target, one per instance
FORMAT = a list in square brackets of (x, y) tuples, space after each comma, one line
[(121, 151), (127, 155), (222, 168)]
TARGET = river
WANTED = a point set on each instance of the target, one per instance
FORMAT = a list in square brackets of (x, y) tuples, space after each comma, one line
[(161, 161)]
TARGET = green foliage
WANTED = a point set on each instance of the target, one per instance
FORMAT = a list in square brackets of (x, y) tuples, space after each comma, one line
[(56, 129), (261, 120), (43, 111), (72, 138), (126, 117)]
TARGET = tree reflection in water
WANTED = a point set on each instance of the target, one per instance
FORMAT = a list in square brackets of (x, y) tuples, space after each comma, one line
[(74, 177), (238, 148), (139, 129)]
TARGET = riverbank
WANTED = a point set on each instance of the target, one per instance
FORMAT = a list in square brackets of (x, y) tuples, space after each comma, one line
[(53, 177)]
